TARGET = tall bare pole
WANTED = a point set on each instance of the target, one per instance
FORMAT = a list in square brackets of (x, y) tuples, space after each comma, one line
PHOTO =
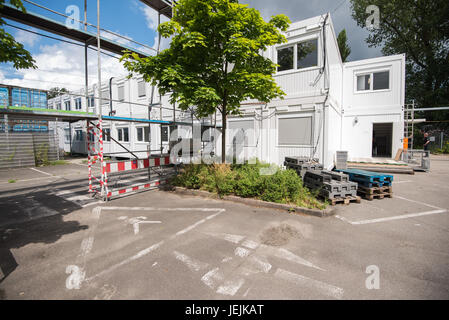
[(98, 107), (86, 69)]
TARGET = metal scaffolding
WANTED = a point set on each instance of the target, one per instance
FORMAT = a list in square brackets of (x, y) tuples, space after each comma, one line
[(100, 185)]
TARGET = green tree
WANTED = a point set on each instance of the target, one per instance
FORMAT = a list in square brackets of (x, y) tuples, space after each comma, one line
[(342, 40), (420, 29), (208, 37), (56, 91), (10, 49)]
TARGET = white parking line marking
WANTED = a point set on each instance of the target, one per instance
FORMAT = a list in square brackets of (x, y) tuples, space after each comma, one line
[(139, 255), (241, 252), (285, 254), (230, 287), (418, 202), (161, 209), (234, 238), (260, 263), (212, 277), (300, 280), (191, 263), (92, 203), (48, 174), (405, 181), (150, 249), (404, 216), (250, 244), (77, 274)]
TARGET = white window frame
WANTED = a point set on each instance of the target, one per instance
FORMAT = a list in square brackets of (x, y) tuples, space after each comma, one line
[(106, 138), (371, 74), (294, 116), (78, 104), (123, 134), (65, 105), (66, 135), (79, 137), (294, 43), (91, 101), (143, 134)]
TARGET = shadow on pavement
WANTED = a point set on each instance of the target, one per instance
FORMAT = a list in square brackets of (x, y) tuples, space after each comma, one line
[(36, 217)]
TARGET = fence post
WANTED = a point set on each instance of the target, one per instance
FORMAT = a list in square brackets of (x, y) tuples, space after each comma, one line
[(7, 131)]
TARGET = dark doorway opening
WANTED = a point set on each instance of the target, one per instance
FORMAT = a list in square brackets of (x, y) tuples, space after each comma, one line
[(382, 139)]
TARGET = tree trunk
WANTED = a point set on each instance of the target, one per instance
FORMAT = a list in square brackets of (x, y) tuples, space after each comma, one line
[(223, 135)]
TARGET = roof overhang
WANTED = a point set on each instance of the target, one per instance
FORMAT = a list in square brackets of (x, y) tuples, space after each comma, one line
[(164, 7)]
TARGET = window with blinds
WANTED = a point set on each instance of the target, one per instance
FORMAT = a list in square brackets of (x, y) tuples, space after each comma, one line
[(295, 131), (242, 126), (141, 92), (121, 93)]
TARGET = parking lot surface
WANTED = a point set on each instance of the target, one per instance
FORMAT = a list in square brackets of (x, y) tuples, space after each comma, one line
[(58, 243)]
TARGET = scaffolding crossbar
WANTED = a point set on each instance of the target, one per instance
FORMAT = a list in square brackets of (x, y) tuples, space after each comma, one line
[(38, 21)]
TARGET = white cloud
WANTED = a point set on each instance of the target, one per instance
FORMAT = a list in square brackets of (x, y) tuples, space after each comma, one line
[(62, 65), (26, 38), (151, 17)]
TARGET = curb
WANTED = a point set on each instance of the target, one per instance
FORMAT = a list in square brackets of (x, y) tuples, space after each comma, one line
[(253, 202)]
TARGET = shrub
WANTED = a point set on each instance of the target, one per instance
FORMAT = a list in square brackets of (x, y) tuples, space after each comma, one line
[(244, 180)]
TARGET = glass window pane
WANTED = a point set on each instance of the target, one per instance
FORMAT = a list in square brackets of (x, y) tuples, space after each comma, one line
[(307, 54), (363, 82), (295, 131), (120, 137), (285, 59), (121, 93), (381, 80), (139, 134), (146, 134), (125, 134), (141, 89)]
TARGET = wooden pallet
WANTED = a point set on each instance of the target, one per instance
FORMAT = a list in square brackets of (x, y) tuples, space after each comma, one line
[(374, 190), (372, 196), (345, 200)]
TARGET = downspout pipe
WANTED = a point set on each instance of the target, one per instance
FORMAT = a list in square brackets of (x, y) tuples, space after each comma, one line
[(110, 96), (327, 90)]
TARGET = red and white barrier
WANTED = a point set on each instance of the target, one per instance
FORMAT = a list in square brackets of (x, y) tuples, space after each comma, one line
[(136, 164), (135, 188)]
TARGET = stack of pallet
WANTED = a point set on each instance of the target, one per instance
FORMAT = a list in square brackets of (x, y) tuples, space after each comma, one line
[(302, 164), (371, 184), (332, 186)]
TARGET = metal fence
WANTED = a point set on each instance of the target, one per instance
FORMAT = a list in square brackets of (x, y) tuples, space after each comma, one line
[(419, 160), (24, 149), (439, 141)]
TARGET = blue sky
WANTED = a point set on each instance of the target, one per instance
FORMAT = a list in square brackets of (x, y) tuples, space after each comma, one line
[(62, 64)]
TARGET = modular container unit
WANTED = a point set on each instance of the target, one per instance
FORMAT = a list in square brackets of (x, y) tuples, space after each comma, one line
[(20, 97), (4, 96), (38, 99), (30, 98)]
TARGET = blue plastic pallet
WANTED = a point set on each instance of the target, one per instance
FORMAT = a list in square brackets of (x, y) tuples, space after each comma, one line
[(369, 179)]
